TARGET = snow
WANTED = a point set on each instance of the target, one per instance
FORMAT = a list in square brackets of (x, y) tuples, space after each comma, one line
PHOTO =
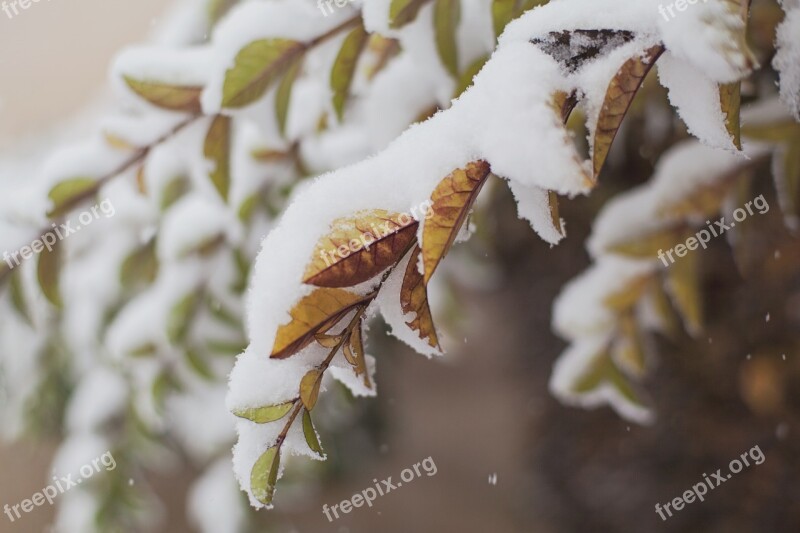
[(787, 59)]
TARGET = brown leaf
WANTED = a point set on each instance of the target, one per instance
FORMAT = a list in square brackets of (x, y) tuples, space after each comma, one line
[(313, 314), (354, 353), (360, 247), (619, 95), (628, 296), (555, 218), (309, 388), (451, 202), (414, 299), (730, 100)]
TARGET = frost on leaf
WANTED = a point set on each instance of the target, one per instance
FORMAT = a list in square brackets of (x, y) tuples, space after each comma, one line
[(360, 247), (313, 314), (414, 299), (451, 202)]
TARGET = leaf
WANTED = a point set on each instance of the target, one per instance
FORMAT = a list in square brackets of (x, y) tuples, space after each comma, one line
[(446, 16), (264, 475), (313, 314), (628, 350), (730, 99), (199, 365), (141, 181), (555, 217), (684, 287), (618, 98), (173, 191), (401, 12), (414, 299), (311, 434), (786, 172), (140, 267), (283, 96), (328, 341), (465, 80), (217, 148), (257, 66), (218, 8), (48, 273), (357, 358), (266, 414), (704, 201), (384, 50), (184, 99), (117, 142), (603, 370), (624, 299), (18, 300), (648, 245), (503, 12), (180, 317), (451, 202), (344, 67), (359, 247), (309, 388), (66, 195)]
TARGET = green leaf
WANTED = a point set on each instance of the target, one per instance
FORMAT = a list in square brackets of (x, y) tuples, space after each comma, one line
[(310, 433), (503, 12), (257, 66), (401, 12), (344, 68), (309, 388), (266, 414), (185, 99), (198, 364), (180, 317), (48, 273), (264, 475), (465, 80), (217, 148), (174, 191), (65, 195), (446, 16), (140, 267), (18, 300), (283, 96)]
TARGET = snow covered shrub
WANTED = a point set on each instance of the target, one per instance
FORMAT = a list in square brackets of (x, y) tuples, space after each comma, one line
[(393, 104)]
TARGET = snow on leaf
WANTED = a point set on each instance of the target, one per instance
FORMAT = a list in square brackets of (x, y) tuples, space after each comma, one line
[(360, 247), (401, 12), (48, 273), (265, 474), (465, 80), (65, 195), (414, 299), (309, 388), (310, 434), (265, 414), (451, 202), (446, 17), (257, 66), (619, 95), (344, 68), (217, 148), (313, 314), (574, 49), (185, 99)]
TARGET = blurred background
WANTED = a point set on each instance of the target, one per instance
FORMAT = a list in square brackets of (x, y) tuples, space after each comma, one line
[(509, 457)]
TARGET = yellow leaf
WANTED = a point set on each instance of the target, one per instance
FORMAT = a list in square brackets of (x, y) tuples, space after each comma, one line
[(217, 148), (360, 247), (309, 388), (730, 99), (414, 299), (451, 202), (628, 350), (313, 314), (603, 370), (344, 68), (684, 286), (117, 142), (627, 297), (619, 95), (184, 99), (446, 16)]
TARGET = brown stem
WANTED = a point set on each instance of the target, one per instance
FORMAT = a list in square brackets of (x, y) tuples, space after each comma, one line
[(334, 31)]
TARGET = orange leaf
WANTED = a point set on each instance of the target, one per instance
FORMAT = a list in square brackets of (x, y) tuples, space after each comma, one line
[(360, 247), (452, 200), (619, 95), (313, 314), (414, 299)]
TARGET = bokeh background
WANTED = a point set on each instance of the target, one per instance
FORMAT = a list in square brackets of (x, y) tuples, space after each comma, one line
[(510, 458)]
